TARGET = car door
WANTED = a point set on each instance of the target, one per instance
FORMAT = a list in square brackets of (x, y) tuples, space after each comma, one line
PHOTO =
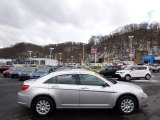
[(93, 94), (65, 90), (114, 69), (135, 72), (142, 71)]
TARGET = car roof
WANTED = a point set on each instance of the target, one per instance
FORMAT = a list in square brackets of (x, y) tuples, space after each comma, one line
[(72, 71)]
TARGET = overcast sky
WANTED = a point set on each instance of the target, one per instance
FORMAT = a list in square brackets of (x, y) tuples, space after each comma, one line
[(55, 21)]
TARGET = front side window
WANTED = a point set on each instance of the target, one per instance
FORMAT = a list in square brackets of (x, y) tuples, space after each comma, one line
[(90, 80), (135, 68), (109, 68), (143, 68)]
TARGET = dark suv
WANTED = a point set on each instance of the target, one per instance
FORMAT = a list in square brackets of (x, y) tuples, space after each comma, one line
[(109, 71)]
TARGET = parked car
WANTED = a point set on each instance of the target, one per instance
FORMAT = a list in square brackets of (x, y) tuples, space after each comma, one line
[(16, 72), (26, 73), (7, 73), (79, 89), (155, 68), (109, 71), (134, 72), (3, 68), (41, 72)]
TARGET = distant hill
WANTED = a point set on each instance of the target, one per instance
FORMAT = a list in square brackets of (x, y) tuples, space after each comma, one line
[(20, 50), (118, 44)]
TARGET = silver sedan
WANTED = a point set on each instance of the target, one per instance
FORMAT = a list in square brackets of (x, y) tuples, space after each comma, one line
[(79, 89)]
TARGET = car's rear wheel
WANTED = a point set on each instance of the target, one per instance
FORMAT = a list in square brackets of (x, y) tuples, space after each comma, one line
[(148, 77), (127, 105), (43, 106), (127, 77)]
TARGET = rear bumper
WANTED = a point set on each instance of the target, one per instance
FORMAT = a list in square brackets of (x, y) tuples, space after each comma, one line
[(24, 100), (14, 76), (24, 77)]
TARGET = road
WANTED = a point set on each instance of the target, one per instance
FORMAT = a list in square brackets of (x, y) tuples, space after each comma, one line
[(10, 110)]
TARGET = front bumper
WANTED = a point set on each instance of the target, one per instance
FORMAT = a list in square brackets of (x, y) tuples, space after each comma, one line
[(143, 100)]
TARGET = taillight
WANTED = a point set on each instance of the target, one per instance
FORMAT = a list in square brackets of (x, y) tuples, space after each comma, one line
[(24, 87)]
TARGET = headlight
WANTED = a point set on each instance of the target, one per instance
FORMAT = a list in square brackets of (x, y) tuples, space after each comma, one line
[(120, 72), (141, 90)]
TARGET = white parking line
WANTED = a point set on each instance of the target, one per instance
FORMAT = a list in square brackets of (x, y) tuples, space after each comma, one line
[(155, 81)]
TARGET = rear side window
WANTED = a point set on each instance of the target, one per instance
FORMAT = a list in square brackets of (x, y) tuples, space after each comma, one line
[(66, 79), (63, 79)]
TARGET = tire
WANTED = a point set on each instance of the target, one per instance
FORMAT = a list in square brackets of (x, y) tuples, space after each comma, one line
[(148, 77), (43, 106), (127, 77), (127, 105)]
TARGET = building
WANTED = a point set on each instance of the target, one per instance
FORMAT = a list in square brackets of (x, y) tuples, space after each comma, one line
[(5, 62), (148, 59), (35, 61), (157, 60)]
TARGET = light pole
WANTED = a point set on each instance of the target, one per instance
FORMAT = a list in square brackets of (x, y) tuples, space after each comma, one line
[(51, 52), (80, 57), (95, 43), (83, 55), (104, 55), (30, 52), (60, 58), (131, 53), (72, 58)]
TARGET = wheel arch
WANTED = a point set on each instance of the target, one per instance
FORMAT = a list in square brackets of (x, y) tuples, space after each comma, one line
[(128, 74), (43, 95), (127, 94)]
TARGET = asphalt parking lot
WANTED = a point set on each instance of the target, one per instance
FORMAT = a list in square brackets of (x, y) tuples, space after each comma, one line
[(10, 110)]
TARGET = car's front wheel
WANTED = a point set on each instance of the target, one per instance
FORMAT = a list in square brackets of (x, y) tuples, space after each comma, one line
[(43, 106), (148, 77), (127, 104), (127, 77)]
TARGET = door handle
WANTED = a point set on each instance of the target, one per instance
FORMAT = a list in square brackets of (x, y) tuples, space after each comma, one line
[(55, 86), (84, 88)]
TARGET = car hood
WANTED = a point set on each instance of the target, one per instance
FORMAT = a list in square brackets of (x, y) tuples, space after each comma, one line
[(125, 86), (128, 84), (122, 70)]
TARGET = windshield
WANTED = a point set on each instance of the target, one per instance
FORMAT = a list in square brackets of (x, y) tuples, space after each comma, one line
[(103, 68), (29, 70), (128, 68), (42, 70), (111, 80)]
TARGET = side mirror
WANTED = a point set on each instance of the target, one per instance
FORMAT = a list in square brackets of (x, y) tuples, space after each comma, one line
[(104, 84)]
